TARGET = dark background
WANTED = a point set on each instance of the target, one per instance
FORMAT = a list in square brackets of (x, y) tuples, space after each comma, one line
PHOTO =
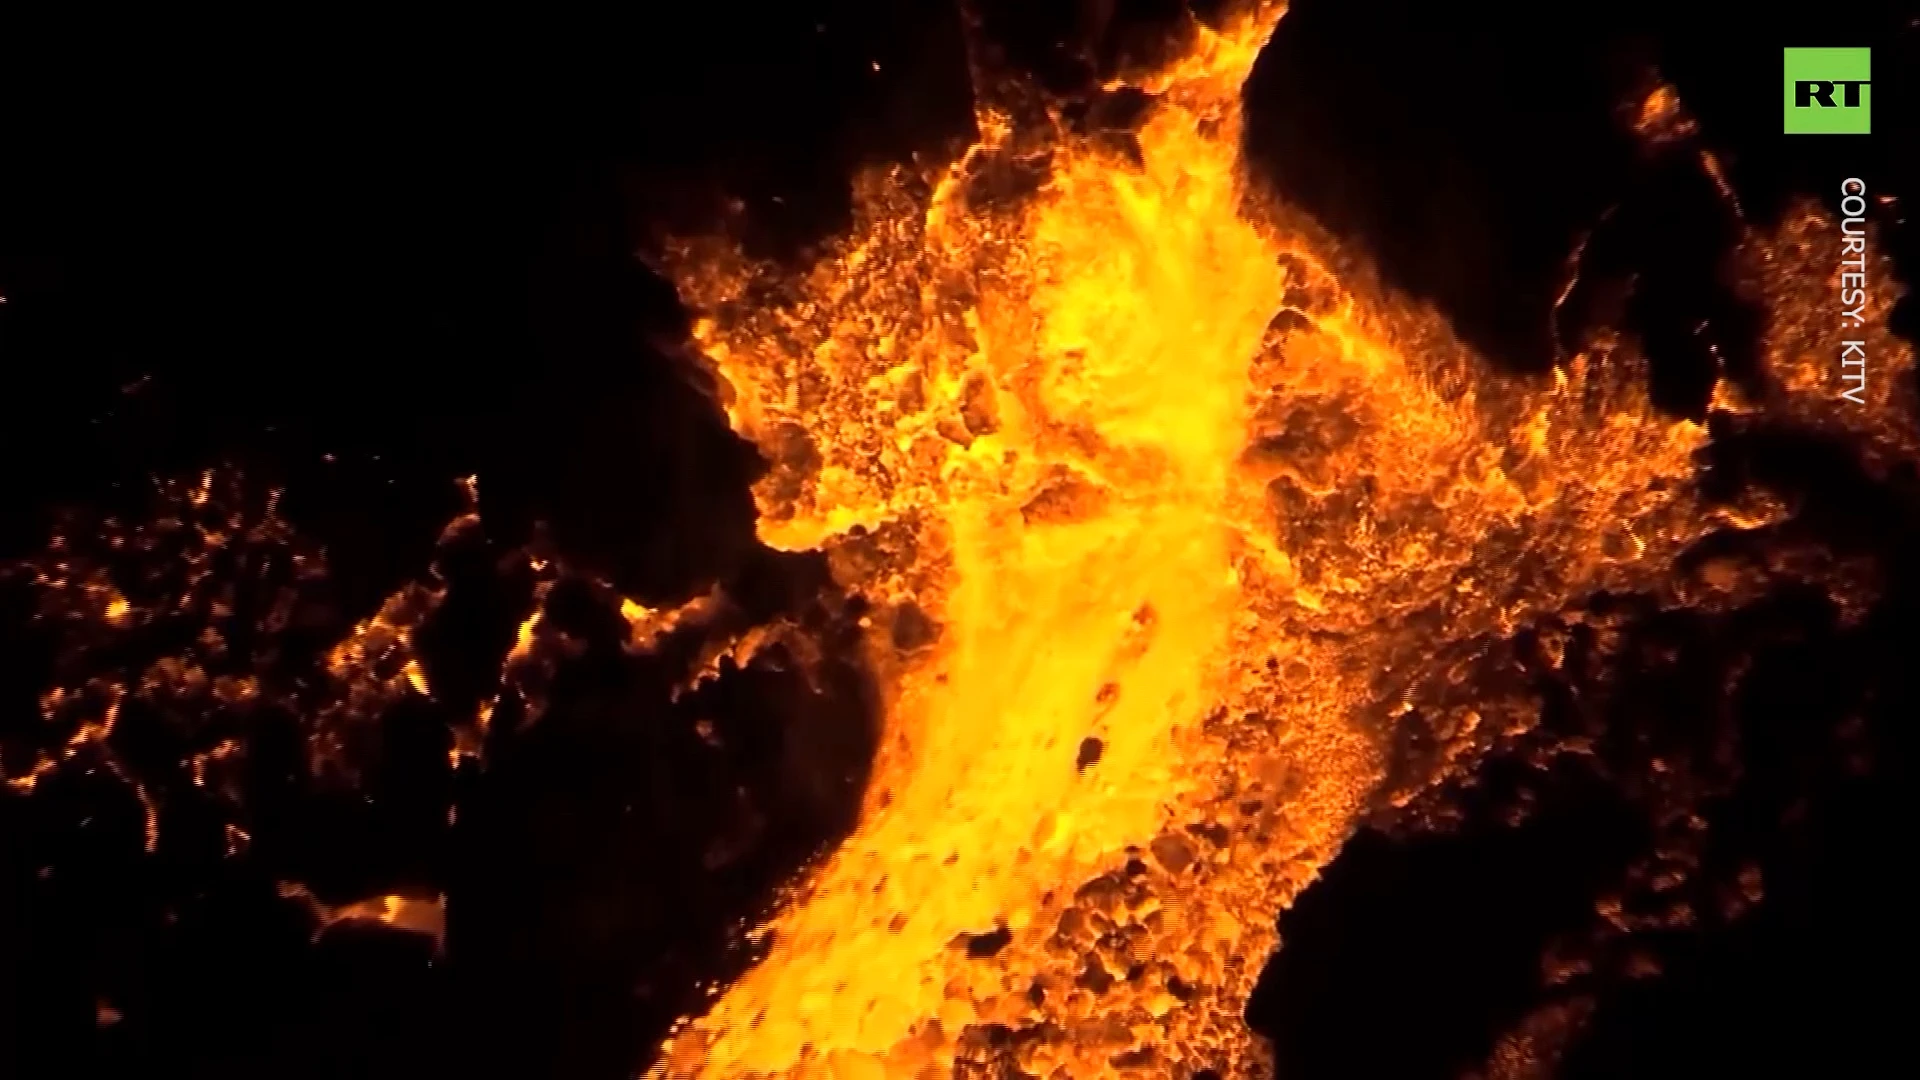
[(359, 257)]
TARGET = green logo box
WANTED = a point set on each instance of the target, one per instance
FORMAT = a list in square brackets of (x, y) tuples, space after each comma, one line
[(1828, 92)]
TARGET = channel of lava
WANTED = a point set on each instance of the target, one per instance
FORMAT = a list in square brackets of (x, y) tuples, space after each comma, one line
[(1167, 513)]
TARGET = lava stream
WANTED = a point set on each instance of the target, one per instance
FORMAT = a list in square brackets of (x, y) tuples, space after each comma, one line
[(1191, 508)]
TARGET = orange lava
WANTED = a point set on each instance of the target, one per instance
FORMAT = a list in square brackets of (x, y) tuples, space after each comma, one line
[(1195, 507)]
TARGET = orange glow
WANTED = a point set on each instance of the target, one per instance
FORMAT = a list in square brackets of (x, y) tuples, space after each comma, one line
[(424, 915), (1194, 502), (1187, 512), (1662, 119)]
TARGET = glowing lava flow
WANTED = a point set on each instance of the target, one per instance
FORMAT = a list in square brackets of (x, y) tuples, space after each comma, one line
[(1164, 524)]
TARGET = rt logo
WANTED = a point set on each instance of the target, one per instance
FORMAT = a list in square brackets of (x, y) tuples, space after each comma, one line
[(1828, 92)]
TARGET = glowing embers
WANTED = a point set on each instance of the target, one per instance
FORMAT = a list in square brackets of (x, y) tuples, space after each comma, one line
[(414, 914)]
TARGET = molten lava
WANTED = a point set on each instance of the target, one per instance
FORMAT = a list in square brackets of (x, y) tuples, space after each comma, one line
[(1191, 508), (1169, 520)]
